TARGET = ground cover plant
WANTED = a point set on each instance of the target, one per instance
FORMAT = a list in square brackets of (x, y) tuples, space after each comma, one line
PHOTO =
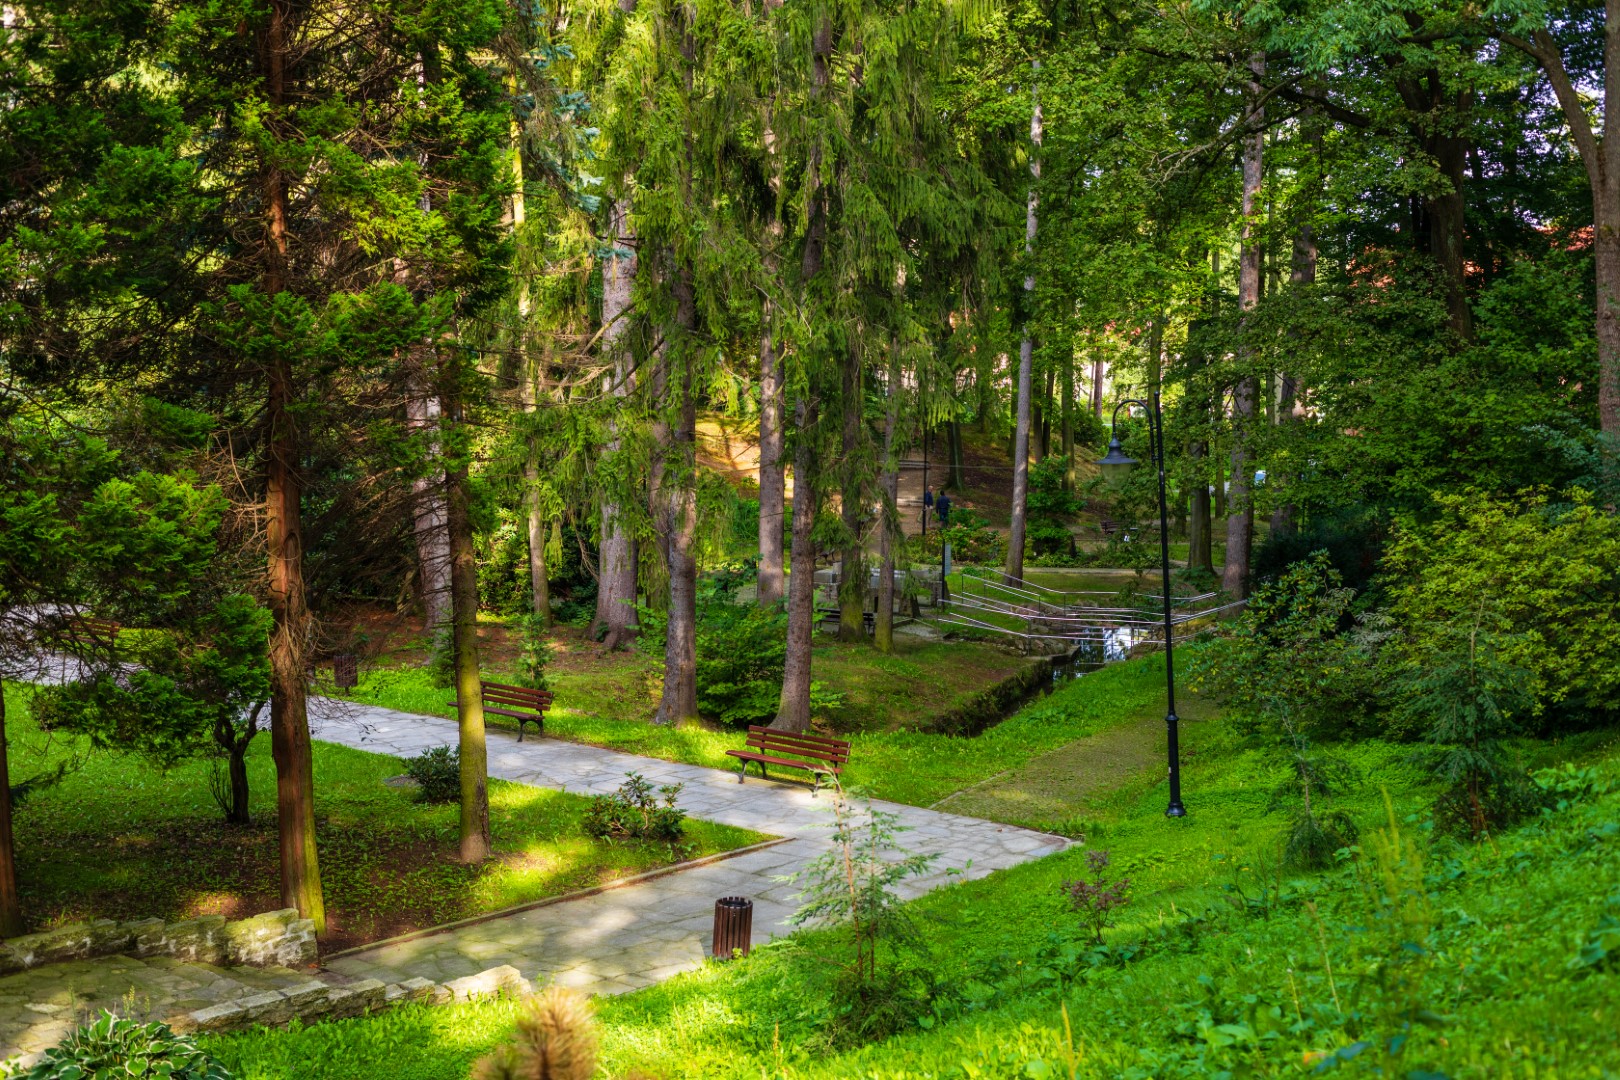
[(1414, 954), (118, 839)]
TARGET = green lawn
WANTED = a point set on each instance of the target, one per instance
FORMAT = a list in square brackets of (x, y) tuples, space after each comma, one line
[(1417, 958), (903, 765), (120, 839)]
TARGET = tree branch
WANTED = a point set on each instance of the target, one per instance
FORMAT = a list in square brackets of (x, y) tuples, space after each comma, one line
[(1544, 51)]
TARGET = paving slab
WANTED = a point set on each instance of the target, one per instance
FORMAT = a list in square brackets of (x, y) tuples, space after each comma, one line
[(631, 936)]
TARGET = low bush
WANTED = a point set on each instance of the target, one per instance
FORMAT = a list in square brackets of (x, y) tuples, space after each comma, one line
[(972, 541), (437, 773), (636, 812), (1299, 641), (1096, 899), (112, 1047), (1552, 575)]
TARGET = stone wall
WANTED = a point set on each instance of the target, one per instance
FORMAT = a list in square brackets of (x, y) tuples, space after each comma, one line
[(318, 1000), (274, 939)]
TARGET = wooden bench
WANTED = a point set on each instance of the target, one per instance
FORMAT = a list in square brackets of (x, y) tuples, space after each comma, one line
[(816, 754), (89, 629), (519, 702)]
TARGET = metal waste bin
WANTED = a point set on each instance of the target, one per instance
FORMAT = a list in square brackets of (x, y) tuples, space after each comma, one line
[(733, 926)]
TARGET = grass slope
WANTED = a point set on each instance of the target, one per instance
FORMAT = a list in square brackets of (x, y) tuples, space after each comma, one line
[(120, 839), (902, 765), (1417, 957)]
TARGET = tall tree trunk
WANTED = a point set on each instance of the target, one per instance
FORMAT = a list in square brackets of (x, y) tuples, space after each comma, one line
[(539, 577), (888, 520), (11, 918), (955, 479), (793, 709), (615, 618), (1607, 253), (675, 498), (1438, 111), (852, 562), (236, 768), (772, 469), (532, 372), (1099, 373), (1026, 354), (1068, 420), (1601, 156), (1199, 532), (428, 509), (1240, 504), (1044, 443), (475, 843), (1301, 275), (284, 529)]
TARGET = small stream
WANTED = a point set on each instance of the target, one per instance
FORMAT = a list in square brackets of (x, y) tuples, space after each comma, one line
[(1006, 698)]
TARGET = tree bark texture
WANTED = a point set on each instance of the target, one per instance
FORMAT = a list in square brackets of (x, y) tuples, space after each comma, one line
[(1240, 503), (428, 503), (888, 523), (284, 530), (1441, 229), (772, 469), (615, 618), (676, 514), (793, 709), (852, 562), (1026, 358), (475, 841)]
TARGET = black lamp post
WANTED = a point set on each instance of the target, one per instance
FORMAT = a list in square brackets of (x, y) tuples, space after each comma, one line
[(1115, 467)]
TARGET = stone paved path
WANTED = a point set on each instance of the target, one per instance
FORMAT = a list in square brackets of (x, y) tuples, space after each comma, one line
[(40, 1006), (630, 937)]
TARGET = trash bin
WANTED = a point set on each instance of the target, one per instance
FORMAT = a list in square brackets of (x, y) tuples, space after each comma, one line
[(733, 926)]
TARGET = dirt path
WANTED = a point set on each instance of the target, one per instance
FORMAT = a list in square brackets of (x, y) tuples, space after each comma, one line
[(1056, 785)]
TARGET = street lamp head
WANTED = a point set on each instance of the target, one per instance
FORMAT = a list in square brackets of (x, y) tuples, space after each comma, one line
[(1115, 465)]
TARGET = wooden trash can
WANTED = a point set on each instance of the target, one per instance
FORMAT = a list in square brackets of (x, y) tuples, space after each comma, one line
[(733, 926)]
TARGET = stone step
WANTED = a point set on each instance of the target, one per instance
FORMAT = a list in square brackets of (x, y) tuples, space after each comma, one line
[(41, 1005)]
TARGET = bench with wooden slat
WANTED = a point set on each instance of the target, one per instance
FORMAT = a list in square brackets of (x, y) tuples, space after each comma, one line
[(91, 630), (524, 705), (817, 754)]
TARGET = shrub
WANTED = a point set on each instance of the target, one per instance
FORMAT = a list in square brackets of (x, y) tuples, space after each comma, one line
[(741, 653), (1470, 699), (1299, 641), (741, 650), (437, 773), (441, 663), (634, 812), (112, 1046), (1553, 576), (852, 886), (972, 541), (534, 652), (1353, 543), (1096, 900)]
